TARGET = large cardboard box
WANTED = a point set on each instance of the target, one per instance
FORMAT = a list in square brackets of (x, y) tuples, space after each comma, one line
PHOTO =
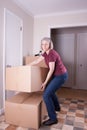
[(29, 59), (25, 109), (25, 78)]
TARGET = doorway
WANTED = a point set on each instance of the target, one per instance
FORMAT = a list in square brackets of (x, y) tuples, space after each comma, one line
[(13, 30), (71, 43)]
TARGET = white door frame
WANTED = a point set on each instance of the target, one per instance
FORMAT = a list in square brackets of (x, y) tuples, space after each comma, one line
[(4, 45)]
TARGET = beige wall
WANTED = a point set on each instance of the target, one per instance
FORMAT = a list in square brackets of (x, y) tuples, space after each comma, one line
[(28, 22), (42, 25)]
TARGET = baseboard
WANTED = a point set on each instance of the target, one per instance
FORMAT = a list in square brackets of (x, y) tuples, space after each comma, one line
[(1, 111)]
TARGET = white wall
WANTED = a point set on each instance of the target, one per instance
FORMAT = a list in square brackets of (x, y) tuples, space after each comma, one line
[(42, 25), (28, 22)]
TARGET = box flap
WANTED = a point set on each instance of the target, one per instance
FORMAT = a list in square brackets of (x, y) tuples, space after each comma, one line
[(35, 98), (19, 98)]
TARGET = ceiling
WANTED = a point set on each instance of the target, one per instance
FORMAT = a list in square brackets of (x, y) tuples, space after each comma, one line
[(49, 7)]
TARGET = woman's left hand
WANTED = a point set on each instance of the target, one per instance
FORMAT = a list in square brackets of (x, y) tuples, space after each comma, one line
[(43, 86)]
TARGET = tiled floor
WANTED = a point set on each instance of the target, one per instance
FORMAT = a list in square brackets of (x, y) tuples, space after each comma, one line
[(73, 116)]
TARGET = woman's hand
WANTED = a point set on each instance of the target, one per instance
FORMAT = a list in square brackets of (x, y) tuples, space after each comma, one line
[(43, 86), (49, 75)]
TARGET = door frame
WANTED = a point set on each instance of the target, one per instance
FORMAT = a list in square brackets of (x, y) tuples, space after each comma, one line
[(4, 50), (65, 26)]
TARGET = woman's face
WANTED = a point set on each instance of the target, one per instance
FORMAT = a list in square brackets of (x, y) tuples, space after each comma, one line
[(45, 45)]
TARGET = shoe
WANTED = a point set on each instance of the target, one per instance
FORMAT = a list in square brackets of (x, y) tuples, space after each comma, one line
[(50, 122), (46, 121), (58, 109)]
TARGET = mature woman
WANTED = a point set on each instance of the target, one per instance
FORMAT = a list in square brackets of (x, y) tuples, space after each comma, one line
[(56, 77)]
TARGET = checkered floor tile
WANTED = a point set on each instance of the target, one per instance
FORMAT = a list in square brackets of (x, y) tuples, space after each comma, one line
[(73, 115)]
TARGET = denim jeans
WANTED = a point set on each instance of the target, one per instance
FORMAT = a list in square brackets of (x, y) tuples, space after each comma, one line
[(49, 96)]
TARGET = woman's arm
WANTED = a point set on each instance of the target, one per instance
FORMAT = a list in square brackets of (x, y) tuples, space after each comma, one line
[(49, 75), (37, 61)]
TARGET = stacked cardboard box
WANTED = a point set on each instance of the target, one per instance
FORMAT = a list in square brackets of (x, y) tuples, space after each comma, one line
[(29, 59), (25, 78), (27, 107)]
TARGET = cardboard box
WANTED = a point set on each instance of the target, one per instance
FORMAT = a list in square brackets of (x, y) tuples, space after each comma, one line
[(25, 78), (29, 59), (25, 110)]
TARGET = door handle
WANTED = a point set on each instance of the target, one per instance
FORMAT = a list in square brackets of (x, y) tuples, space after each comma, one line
[(80, 65), (8, 65)]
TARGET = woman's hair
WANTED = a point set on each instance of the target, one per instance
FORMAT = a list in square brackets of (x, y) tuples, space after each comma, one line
[(49, 41)]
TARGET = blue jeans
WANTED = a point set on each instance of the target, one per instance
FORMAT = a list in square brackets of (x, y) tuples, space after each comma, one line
[(49, 95)]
